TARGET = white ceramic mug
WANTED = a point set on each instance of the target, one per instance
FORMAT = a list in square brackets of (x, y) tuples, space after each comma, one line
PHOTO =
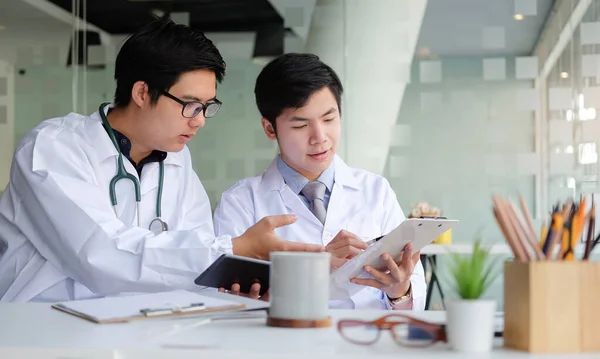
[(299, 285)]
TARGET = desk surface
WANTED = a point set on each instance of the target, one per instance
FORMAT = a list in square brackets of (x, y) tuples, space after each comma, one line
[(462, 248), (36, 330)]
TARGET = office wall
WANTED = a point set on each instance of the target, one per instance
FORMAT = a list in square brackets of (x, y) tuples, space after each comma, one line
[(45, 91), (233, 144), (34, 52), (7, 120), (460, 137)]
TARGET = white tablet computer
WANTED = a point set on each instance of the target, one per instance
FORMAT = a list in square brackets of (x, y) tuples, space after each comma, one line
[(418, 231)]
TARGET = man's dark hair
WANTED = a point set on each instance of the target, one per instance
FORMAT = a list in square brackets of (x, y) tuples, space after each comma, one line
[(290, 80), (159, 54)]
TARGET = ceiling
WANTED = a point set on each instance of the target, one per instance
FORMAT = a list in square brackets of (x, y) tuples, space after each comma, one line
[(126, 16), (18, 19), (450, 27), (456, 27)]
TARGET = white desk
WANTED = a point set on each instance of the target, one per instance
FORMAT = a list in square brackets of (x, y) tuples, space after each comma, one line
[(434, 249), (36, 331)]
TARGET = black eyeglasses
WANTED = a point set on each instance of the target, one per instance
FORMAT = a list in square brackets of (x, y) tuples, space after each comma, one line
[(192, 109)]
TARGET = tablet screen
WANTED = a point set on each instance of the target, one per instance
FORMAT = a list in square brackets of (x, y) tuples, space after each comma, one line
[(230, 269)]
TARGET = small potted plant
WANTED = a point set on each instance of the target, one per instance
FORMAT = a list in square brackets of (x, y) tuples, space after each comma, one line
[(470, 317)]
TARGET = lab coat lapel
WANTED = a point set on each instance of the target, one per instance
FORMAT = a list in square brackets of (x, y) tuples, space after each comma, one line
[(273, 181), (107, 156), (296, 206), (98, 137), (106, 151), (338, 204), (151, 173), (150, 176), (125, 192), (342, 195)]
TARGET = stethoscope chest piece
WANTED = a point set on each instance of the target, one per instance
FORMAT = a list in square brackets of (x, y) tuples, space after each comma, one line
[(157, 226)]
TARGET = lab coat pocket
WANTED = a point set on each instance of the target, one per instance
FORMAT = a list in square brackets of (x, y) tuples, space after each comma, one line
[(364, 227)]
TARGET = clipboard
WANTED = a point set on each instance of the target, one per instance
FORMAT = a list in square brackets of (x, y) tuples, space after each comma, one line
[(129, 308), (418, 231)]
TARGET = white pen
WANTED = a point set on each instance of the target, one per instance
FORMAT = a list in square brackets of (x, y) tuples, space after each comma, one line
[(372, 241), (154, 312), (158, 312)]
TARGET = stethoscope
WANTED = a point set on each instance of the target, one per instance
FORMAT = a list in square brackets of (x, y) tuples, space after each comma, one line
[(157, 225)]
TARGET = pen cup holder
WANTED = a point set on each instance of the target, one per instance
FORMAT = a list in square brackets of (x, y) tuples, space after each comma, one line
[(552, 306)]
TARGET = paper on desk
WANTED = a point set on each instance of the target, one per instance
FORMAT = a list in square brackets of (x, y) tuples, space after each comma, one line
[(104, 309)]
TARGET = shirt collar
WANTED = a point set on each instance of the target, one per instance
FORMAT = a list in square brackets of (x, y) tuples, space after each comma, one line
[(125, 147), (98, 137), (296, 181), (272, 180)]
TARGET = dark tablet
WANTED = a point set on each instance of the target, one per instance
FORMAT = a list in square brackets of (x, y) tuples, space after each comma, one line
[(229, 269)]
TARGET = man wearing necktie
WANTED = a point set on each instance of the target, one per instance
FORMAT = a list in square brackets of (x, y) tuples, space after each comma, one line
[(340, 207), (315, 194)]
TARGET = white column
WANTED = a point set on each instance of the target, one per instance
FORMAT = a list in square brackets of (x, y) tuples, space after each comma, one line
[(7, 121), (371, 45)]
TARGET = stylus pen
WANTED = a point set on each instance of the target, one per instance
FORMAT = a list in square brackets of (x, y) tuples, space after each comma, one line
[(372, 241)]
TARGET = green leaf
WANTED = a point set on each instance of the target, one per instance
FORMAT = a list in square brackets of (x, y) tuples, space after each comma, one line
[(472, 274)]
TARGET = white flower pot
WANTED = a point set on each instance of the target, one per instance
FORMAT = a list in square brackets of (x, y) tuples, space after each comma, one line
[(470, 324)]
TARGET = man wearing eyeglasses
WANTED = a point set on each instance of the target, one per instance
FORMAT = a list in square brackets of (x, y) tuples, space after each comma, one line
[(109, 203)]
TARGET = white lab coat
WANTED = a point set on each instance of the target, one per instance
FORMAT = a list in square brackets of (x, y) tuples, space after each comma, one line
[(65, 241), (361, 202)]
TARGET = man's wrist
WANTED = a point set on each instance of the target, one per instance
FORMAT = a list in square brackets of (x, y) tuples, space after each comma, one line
[(239, 246), (407, 295)]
